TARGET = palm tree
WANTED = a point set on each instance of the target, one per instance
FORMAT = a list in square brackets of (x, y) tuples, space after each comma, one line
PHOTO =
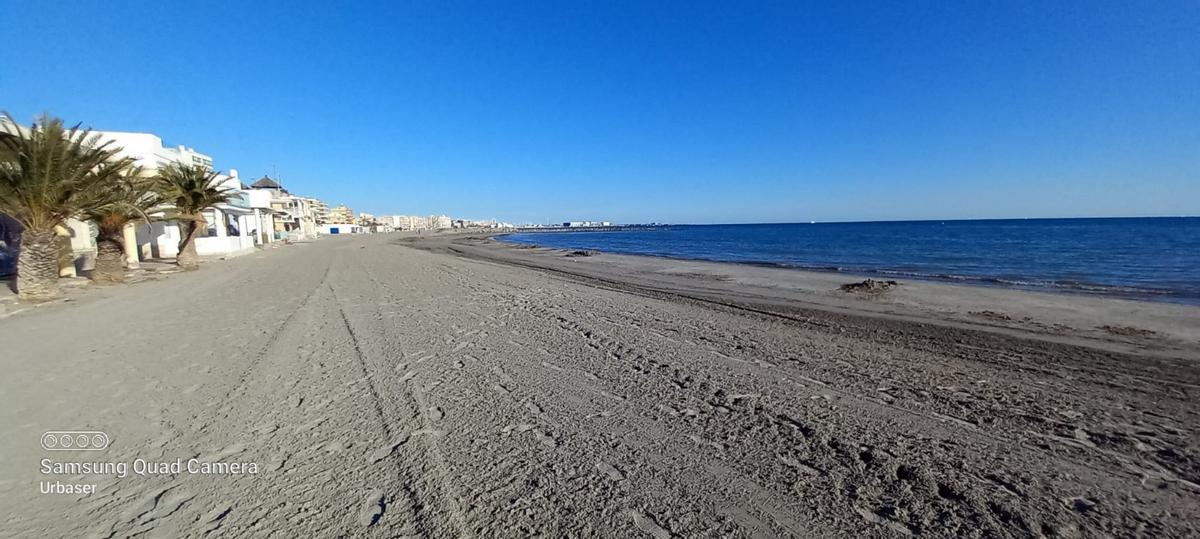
[(47, 174), (129, 199), (191, 190)]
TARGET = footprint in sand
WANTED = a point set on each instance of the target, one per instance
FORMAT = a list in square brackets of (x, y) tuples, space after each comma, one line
[(374, 504), (215, 518), (648, 525), (145, 504), (612, 395), (871, 516), (386, 451), (167, 505), (809, 470), (436, 414), (611, 471), (545, 439)]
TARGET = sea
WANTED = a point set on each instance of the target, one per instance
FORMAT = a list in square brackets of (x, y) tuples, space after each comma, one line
[(1142, 258)]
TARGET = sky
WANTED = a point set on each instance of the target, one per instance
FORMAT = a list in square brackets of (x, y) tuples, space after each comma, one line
[(676, 112)]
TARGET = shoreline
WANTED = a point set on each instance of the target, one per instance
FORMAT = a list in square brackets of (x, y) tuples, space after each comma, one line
[(1112, 323), (1081, 289)]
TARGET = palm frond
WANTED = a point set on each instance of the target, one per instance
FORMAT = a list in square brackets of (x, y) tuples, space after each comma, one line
[(49, 172), (130, 198), (191, 190)]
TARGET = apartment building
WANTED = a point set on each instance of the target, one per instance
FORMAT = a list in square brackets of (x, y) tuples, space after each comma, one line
[(320, 210), (341, 215), (294, 217), (439, 222)]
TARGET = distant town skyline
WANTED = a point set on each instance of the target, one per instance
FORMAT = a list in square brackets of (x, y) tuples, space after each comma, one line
[(691, 112)]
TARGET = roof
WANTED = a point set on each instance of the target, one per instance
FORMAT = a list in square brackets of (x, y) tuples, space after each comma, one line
[(266, 183)]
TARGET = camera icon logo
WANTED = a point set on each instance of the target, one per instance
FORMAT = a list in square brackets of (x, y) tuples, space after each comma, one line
[(74, 440)]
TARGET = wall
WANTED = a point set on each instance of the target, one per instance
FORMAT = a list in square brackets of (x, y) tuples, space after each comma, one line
[(224, 245), (159, 239), (259, 198), (83, 244), (327, 229)]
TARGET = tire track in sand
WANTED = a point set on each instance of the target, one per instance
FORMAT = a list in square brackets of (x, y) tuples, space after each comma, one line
[(272, 339), (420, 407)]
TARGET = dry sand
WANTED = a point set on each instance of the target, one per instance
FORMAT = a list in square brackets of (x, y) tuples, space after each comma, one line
[(467, 388)]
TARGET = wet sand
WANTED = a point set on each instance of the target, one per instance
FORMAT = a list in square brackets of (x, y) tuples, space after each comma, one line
[(1113, 323), (454, 387)]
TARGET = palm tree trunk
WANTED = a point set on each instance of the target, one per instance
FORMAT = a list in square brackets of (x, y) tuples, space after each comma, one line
[(37, 266), (189, 230), (110, 261), (66, 253)]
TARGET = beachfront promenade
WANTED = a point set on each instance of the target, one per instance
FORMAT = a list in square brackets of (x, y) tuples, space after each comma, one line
[(384, 390)]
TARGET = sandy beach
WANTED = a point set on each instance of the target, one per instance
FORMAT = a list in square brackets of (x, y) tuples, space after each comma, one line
[(454, 386)]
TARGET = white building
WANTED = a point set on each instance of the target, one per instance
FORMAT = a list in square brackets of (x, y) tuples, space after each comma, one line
[(264, 215), (159, 239), (230, 226), (320, 210), (340, 214), (439, 222), (299, 220), (294, 217), (410, 222), (338, 229), (149, 153), (402, 222)]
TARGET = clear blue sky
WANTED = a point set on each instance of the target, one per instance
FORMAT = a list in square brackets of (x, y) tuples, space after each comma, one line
[(647, 111)]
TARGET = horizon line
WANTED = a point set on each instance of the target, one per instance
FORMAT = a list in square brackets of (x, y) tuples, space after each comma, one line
[(933, 220)]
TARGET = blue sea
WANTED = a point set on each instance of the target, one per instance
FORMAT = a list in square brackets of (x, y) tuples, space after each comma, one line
[(1144, 258)]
